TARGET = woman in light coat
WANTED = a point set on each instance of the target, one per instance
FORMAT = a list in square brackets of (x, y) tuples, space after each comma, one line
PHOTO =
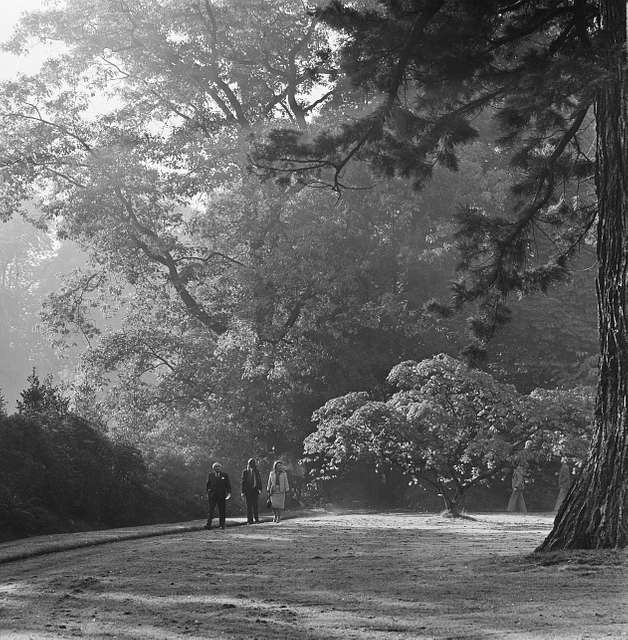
[(277, 489)]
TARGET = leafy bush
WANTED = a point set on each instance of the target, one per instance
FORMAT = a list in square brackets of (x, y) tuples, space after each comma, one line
[(445, 426), (58, 473)]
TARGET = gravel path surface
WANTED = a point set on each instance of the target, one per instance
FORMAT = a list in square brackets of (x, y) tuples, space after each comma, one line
[(347, 576)]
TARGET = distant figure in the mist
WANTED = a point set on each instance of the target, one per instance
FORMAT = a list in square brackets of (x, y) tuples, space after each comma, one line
[(564, 483), (251, 488), (277, 489), (517, 501), (218, 492)]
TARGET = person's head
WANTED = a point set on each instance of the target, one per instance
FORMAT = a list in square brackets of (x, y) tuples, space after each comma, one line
[(251, 464), (217, 467), (278, 467)]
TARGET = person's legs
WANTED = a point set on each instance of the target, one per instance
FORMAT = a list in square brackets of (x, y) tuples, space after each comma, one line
[(222, 508), (254, 504), (210, 511), (522, 504), (248, 498), (512, 502)]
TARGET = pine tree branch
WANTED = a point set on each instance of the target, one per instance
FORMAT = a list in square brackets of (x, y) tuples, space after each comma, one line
[(546, 181), (432, 7), (542, 19)]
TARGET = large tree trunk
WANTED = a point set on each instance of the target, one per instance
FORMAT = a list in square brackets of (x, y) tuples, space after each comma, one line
[(595, 512)]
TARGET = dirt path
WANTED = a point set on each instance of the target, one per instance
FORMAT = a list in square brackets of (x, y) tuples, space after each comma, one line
[(346, 576)]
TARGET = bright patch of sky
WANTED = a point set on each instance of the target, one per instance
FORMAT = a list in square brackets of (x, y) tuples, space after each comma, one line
[(10, 64), (10, 13)]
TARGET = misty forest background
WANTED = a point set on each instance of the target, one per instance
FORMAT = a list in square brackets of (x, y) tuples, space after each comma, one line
[(119, 387)]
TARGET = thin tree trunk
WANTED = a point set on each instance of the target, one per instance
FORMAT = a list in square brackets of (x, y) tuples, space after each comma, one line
[(595, 512), (454, 503)]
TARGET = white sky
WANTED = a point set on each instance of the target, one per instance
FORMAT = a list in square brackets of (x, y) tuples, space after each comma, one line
[(10, 12)]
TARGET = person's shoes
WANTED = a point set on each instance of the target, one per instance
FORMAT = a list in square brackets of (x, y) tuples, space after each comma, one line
[(207, 526), (256, 522)]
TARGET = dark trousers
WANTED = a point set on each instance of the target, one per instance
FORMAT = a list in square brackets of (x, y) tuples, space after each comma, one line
[(221, 504), (252, 513)]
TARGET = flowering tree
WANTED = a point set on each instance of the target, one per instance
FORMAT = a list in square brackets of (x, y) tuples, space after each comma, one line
[(567, 423), (445, 426), (353, 429)]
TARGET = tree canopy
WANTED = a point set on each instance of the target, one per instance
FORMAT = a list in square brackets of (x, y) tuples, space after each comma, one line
[(204, 287)]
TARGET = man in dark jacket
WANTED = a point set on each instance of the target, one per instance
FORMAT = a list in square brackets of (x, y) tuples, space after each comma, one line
[(218, 492), (251, 488)]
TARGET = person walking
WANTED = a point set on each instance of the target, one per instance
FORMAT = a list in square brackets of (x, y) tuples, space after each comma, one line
[(519, 479), (277, 488), (218, 492), (251, 488)]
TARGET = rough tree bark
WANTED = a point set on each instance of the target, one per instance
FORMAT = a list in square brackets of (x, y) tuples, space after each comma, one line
[(595, 512)]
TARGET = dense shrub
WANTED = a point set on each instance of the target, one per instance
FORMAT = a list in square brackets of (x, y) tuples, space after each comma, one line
[(58, 473)]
